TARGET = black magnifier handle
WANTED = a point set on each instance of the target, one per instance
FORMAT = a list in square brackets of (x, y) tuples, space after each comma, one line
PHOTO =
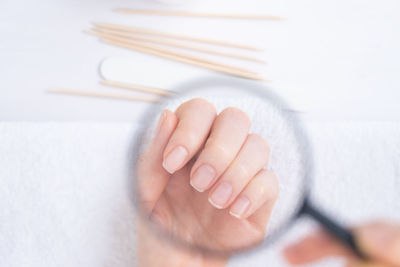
[(335, 229)]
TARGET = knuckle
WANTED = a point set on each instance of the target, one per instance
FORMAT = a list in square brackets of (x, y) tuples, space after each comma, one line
[(188, 137), (216, 148), (261, 145), (237, 115), (242, 171), (197, 104), (211, 142), (274, 185), (162, 219), (260, 141), (270, 185)]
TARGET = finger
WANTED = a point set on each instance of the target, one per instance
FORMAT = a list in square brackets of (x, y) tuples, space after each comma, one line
[(261, 191), (380, 241), (152, 177), (227, 136), (252, 157), (313, 248), (195, 117)]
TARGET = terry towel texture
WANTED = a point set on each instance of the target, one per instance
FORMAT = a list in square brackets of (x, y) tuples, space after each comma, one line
[(64, 199)]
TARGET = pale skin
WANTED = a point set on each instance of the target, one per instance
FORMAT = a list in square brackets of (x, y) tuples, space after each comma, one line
[(380, 241), (215, 191), (203, 177)]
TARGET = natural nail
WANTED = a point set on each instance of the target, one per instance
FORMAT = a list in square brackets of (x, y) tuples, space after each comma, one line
[(240, 207), (221, 195), (203, 177), (175, 159)]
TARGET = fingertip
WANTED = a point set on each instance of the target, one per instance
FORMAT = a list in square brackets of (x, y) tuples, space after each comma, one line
[(237, 216), (258, 198), (175, 159), (237, 115), (214, 204), (203, 177), (170, 119), (194, 119), (291, 254), (195, 187), (152, 177), (160, 123), (380, 240), (240, 207), (166, 124), (199, 104)]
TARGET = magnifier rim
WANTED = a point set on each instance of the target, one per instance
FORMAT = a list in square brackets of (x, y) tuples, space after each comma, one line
[(258, 89)]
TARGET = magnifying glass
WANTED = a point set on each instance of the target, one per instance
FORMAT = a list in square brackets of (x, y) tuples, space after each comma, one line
[(185, 217)]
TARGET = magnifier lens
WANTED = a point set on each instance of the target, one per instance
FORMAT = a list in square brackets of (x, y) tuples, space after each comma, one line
[(184, 215)]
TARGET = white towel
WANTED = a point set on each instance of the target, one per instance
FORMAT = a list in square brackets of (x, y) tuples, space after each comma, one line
[(64, 198)]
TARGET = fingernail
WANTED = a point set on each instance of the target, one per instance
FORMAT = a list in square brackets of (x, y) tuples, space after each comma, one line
[(221, 195), (239, 208), (202, 177), (175, 159), (160, 122)]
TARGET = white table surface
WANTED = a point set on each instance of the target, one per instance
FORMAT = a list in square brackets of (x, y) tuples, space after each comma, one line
[(329, 59)]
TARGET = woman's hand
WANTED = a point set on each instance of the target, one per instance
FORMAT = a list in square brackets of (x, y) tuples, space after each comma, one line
[(202, 177), (380, 241)]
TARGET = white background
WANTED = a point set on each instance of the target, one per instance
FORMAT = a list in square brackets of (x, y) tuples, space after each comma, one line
[(330, 59)]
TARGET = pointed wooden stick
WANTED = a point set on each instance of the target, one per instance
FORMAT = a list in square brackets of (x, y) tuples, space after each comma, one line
[(103, 95), (165, 51), (194, 14), (161, 41), (135, 87), (174, 36), (150, 51)]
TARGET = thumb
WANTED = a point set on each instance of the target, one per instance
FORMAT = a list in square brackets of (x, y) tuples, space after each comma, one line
[(152, 178), (380, 241)]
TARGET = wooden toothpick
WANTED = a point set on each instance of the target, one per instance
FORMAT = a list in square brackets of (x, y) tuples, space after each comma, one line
[(135, 87), (103, 95), (165, 51), (174, 36), (161, 41), (154, 52)]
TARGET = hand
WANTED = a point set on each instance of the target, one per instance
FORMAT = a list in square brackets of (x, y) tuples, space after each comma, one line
[(380, 241), (203, 177)]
